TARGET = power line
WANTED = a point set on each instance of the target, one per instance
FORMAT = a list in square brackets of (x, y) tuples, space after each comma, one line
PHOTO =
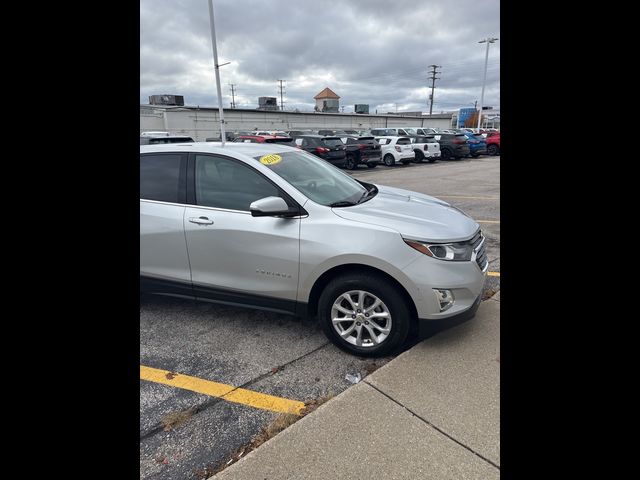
[(433, 84), (233, 96), (281, 93)]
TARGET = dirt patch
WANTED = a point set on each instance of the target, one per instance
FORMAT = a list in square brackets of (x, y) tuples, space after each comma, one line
[(489, 292), (175, 419), (280, 423)]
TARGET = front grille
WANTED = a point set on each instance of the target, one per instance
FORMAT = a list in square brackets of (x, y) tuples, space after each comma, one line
[(481, 255)]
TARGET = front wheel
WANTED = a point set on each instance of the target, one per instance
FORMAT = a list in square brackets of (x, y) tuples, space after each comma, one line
[(389, 160), (364, 314), (351, 163), (493, 150)]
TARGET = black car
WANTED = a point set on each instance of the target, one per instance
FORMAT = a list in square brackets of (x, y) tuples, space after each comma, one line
[(292, 133), (362, 150), (453, 145), (330, 149), (332, 133), (165, 139)]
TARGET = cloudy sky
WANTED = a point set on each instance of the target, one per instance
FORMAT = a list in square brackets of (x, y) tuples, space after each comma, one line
[(375, 52)]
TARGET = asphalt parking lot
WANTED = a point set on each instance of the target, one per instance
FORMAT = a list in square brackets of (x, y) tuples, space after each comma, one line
[(183, 432)]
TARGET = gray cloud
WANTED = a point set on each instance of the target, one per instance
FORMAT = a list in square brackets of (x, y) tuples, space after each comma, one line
[(367, 51)]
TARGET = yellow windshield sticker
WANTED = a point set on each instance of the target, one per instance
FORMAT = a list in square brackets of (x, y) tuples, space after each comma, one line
[(271, 159)]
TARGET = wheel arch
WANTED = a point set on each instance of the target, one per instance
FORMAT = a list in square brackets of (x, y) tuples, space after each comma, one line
[(323, 280)]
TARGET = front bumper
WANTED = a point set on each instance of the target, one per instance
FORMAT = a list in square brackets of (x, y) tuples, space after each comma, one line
[(465, 280), (425, 325)]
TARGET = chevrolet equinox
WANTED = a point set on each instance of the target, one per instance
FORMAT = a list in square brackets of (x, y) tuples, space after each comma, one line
[(276, 228)]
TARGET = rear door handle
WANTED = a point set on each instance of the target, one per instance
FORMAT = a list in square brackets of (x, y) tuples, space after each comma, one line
[(201, 220)]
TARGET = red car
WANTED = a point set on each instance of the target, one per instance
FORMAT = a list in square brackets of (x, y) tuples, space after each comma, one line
[(264, 139), (493, 143)]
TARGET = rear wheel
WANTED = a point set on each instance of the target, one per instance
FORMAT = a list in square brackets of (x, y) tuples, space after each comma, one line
[(389, 160), (351, 162), (493, 149), (364, 314), (445, 154), (419, 156)]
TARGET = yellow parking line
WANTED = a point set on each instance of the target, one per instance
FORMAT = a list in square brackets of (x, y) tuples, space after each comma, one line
[(462, 196), (493, 274), (221, 390), (488, 221)]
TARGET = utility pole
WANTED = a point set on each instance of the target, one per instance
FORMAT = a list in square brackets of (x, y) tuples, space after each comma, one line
[(433, 84), (217, 69), (233, 96), (488, 41), (281, 92)]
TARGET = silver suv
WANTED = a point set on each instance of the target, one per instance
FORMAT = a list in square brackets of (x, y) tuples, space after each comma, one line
[(275, 228)]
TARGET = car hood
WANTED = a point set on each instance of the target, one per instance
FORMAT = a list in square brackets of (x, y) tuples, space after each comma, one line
[(413, 214)]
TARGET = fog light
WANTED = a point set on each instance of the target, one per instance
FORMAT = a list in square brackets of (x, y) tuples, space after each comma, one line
[(445, 298)]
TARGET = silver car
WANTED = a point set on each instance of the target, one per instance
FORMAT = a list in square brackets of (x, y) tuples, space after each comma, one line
[(275, 228)]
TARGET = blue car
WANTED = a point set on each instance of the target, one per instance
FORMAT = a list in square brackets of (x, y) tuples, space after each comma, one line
[(477, 144)]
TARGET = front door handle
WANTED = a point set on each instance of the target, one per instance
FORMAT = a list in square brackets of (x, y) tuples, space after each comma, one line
[(201, 220)]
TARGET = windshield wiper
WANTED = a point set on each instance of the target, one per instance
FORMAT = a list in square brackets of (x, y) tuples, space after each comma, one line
[(368, 194), (343, 204)]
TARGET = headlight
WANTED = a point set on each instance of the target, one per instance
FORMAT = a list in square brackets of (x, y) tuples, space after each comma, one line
[(457, 252)]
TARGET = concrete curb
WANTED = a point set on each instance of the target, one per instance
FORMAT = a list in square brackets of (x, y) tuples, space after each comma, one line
[(431, 412)]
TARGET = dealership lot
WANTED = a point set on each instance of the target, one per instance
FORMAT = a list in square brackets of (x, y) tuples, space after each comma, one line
[(181, 431)]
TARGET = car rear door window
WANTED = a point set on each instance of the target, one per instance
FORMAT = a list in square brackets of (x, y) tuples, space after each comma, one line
[(332, 142), (160, 177), (229, 184)]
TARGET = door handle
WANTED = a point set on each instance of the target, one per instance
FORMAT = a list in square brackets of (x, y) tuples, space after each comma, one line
[(201, 220)]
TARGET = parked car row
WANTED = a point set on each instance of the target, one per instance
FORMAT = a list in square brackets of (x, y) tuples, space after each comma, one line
[(350, 148)]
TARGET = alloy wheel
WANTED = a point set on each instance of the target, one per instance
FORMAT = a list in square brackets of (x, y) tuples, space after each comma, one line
[(361, 318)]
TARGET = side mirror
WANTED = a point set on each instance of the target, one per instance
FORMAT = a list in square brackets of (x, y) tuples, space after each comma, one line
[(271, 207)]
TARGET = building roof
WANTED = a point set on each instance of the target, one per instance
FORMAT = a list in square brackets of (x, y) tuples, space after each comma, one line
[(326, 93)]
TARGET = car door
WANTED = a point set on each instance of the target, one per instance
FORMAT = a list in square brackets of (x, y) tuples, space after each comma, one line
[(164, 264), (235, 257)]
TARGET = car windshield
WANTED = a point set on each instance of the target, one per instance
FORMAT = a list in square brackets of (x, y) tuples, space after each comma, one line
[(315, 178), (411, 131)]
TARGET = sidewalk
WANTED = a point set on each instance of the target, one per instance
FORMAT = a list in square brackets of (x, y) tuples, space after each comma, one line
[(431, 413)]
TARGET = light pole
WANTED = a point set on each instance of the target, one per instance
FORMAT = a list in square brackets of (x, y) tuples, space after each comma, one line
[(217, 69), (488, 41)]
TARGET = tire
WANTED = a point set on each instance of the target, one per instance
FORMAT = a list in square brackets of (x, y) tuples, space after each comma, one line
[(419, 156), (445, 154), (372, 165), (392, 302), (389, 161), (493, 150), (351, 162)]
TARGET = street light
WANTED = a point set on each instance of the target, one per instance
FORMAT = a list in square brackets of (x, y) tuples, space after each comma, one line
[(488, 41), (217, 69)]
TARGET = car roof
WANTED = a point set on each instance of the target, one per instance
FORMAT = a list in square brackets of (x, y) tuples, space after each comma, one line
[(249, 149)]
